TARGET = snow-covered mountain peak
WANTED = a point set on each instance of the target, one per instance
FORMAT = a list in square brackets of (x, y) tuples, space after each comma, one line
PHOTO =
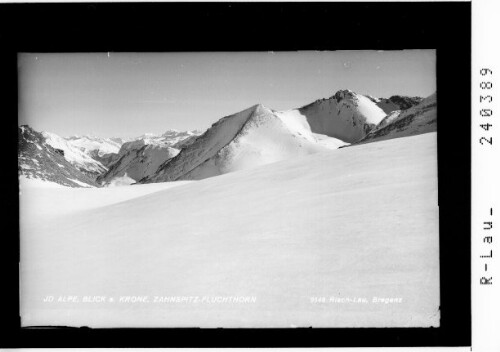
[(78, 151), (86, 146), (91, 157), (148, 135), (171, 131), (253, 137), (258, 110), (88, 137), (259, 135), (142, 156), (346, 115), (259, 107), (344, 94)]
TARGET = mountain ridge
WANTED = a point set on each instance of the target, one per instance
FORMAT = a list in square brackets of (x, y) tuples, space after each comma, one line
[(251, 137), (344, 117), (38, 159)]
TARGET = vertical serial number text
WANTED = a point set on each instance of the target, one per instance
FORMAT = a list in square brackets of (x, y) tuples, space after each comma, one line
[(486, 112)]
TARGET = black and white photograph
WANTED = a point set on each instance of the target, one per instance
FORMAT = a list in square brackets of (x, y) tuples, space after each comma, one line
[(243, 174), (229, 189)]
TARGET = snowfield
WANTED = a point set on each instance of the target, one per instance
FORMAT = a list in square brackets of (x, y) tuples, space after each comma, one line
[(41, 204), (359, 222)]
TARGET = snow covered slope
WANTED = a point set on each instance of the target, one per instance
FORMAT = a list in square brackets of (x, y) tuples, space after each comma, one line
[(39, 160), (93, 143), (78, 151), (250, 138), (352, 223), (418, 119)]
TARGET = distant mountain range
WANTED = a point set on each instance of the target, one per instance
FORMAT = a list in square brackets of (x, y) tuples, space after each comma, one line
[(39, 160), (247, 139), (94, 161), (142, 157)]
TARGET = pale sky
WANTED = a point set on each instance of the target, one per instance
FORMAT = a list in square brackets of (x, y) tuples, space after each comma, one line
[(129, 94)]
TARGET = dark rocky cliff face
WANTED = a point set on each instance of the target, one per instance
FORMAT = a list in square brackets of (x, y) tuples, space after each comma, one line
[(106, 159), (37, 159), (405, 102)]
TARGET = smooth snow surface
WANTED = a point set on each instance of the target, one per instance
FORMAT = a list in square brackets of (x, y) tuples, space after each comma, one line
[(39, 202), (357, 222), (25, 182)]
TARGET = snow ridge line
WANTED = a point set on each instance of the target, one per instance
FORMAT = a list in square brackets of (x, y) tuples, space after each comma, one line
[(238, 132), (236, 135)]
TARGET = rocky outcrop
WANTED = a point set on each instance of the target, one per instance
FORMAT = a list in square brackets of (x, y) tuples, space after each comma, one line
[(418, 119), (39, 160)]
